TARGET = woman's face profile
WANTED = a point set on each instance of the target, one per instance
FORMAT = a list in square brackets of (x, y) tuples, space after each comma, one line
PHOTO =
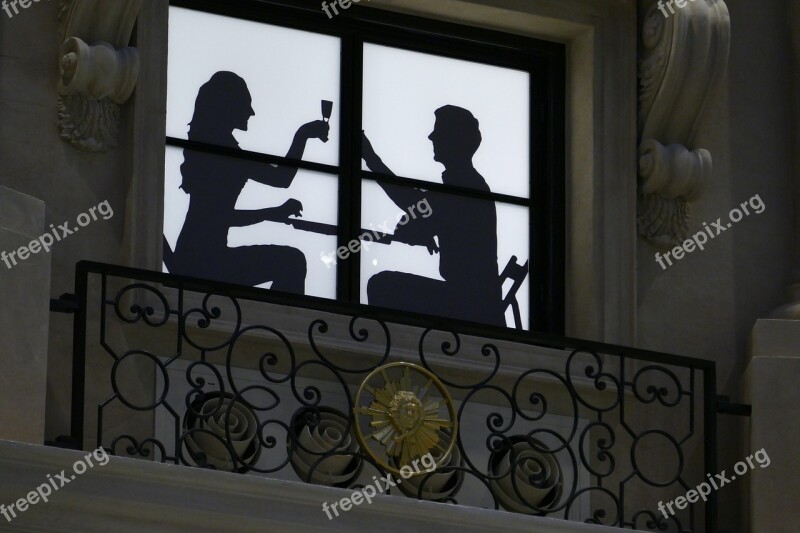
[(245, 112)]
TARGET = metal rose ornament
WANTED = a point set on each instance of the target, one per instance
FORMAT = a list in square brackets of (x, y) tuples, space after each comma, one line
[(318, 431), (221, 432), (529, 477)]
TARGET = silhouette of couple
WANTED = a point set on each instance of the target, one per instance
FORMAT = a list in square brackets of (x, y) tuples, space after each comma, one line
[(463, 231)]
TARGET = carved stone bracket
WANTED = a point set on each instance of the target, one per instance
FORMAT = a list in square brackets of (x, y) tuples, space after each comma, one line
[(98, 70), (683, 56)]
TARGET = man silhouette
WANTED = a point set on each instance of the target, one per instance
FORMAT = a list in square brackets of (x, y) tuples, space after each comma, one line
[(214, 183), (462, 230)]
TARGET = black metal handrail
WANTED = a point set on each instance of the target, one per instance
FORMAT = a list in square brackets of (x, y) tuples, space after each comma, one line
[(530, 467)]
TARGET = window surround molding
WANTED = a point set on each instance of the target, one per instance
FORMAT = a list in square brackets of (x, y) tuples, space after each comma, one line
[(601, 142)]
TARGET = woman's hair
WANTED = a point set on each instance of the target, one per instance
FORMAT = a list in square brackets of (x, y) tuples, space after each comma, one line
[(218, 99), (218, 102)]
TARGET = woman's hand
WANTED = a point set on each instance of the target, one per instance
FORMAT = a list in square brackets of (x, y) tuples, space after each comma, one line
[(317, 129), (289, 208)]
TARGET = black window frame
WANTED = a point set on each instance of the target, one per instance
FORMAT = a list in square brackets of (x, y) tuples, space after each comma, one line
[(545, 61)]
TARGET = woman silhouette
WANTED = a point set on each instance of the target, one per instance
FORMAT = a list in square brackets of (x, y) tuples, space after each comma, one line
[(214, 183)]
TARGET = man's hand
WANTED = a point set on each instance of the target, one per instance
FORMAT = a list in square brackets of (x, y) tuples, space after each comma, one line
[(416, 233), (291, 207), (318, 129)]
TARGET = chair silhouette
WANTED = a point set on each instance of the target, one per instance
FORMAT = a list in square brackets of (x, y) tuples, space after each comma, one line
[(517, 273)]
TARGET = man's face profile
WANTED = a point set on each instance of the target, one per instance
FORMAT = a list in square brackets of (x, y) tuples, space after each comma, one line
[(436, 138)]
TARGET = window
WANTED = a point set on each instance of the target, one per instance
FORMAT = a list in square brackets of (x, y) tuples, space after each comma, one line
[(372, 158)]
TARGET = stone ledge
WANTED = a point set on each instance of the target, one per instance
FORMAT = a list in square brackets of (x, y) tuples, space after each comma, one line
[(20, 213), (133, 495), (775, 338), (769, 385), (24, 318)]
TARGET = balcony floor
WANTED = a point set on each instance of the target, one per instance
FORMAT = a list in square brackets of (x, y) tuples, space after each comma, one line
[(135, 495)]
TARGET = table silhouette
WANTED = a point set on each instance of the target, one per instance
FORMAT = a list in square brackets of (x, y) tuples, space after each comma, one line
[(329, 229)]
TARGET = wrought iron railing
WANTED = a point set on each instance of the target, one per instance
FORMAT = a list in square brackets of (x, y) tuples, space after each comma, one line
[(187, 371)]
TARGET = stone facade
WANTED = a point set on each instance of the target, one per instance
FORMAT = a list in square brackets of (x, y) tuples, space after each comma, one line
[(733, 100)]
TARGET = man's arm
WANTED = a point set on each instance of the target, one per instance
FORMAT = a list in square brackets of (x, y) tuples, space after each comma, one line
[(403, 197), (415, 232)]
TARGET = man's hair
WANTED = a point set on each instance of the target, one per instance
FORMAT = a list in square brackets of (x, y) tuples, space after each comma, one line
[(462, 125)]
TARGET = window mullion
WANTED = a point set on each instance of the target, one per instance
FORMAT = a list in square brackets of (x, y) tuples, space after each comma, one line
[(348, 271)]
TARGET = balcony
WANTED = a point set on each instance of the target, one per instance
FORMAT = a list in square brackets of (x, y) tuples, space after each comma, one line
[(261, 384)]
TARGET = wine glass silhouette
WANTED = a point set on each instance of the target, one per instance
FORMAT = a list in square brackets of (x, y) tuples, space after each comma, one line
[(327, 109)]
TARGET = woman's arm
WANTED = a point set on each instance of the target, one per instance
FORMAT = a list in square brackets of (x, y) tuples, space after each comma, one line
[(281, 213), (283, 175)]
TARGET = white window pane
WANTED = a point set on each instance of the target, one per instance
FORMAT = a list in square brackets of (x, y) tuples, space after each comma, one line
[(313, 234), (403, 89), (512, 227), (287, 72), (461, 279)]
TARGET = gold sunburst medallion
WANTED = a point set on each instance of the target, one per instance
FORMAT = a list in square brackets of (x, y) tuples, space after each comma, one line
[(406, 416)]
